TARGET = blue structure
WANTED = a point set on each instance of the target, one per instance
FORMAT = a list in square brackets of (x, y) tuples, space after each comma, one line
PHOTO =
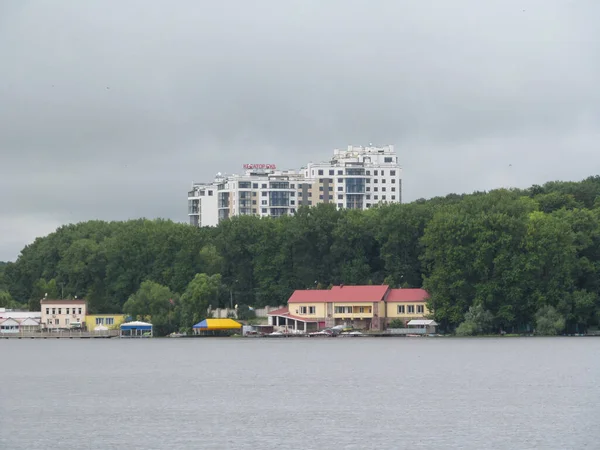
[(136, 330)]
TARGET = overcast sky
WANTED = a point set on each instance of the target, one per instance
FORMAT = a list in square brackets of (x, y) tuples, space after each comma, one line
[(110, 109)]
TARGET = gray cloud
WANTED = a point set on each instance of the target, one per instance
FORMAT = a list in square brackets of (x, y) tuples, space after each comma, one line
[(109, 110)]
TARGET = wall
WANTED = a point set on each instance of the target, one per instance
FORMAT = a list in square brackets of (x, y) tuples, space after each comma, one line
[(64, 320), (320, 313), (90, 321), (392, 310)]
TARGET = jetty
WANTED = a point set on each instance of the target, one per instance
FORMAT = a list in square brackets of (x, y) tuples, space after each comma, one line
[(62, 334)]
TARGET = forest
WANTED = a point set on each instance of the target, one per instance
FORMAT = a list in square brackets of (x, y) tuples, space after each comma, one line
[(499, 261)]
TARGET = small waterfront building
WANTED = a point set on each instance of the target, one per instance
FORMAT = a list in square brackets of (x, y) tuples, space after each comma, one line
[(63, 314), (215, 327), (110, 321), (135, 329), (429, 326), (9, 326), (29, 325)]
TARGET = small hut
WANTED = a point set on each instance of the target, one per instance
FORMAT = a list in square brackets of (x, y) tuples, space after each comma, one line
[(136, 330), (216, 327)]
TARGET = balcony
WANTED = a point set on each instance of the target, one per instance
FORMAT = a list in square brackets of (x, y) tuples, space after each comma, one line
[(354, 316)]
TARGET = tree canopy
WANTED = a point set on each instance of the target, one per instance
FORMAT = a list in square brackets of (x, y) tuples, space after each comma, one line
[(511, 254)]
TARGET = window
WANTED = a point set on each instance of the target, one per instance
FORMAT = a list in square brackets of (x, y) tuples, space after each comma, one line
[(292, 186), (253, 210), (411, 309), (340, 205), (53, 310), (330, 188), (110, 321), (388, 159), (49, 321), (264, 202), (383, 197), (320, 172), (340, 172), (420, 309), (331, 172), (393, 181), (340, 196), (375, 180), (368, 196), (264, 210), (264, 185), (255, 185), (382, 173), (263, 193), (340, 180), (57, 322), (330, 180), (383, 181), (210, 193), (302, 310), (312, 310), (375, 172), (392, 173), (254, 202), (254, 194), (66, 321), (68, 309), (383, 188), (47, 310), (99, 320), (320, 197), (292, 202), (393, 197), (401, 309), (375, 197), (343, 309), (340, 189), (320, 188), (60, 310), (244, 185), (79, 311), (393, 189), (375, 188)]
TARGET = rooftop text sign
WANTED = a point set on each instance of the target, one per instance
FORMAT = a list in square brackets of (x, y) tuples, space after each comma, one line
[(259, 166)]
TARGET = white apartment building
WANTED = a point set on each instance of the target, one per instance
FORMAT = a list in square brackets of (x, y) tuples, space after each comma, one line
[(63, 313), (358, 177), (355, 178)]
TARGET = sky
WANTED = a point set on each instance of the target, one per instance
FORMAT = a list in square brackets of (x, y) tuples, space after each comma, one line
[(110, 109)]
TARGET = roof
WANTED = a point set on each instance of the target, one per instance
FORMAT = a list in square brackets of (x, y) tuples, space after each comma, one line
[(136, 325), (29, 321), (279, 312), (21, 315), (47, 301), (407, 295), (284, 312), (422, 322), (338, 294), (310, 296), (9, 322), (369, 293), (218, 324)]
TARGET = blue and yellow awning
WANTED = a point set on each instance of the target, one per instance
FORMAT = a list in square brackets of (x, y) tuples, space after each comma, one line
[(218, 324)]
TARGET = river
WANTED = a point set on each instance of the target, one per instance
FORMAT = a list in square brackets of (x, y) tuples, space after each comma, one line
[(341, 393)]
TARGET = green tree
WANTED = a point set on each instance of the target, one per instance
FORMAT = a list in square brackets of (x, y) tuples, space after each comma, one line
[(548, 321), (154, 302), (201, 292)]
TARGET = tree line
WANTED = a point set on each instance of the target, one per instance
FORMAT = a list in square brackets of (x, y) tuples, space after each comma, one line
[(499, 261)]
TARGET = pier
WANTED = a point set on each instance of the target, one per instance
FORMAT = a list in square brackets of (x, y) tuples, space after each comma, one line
[(63, 334)]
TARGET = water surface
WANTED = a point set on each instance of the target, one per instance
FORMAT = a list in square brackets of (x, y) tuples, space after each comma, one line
[(395, 393)]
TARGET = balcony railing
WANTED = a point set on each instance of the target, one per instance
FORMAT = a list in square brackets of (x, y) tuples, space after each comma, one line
[(365, 315)]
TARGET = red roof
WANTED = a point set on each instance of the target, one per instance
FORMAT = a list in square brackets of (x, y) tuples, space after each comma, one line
[(369, 293), (310, 296), (285, 312), (407, 295), (279, 312), (340, 294)]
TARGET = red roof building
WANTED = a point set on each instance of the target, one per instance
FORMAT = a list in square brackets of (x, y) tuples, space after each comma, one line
[(368, 307)]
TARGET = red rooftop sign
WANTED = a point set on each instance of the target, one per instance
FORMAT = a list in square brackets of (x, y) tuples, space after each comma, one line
[(260, 166)]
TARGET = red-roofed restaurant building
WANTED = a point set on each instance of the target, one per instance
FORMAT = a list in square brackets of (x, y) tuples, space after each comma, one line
[(366, 307)]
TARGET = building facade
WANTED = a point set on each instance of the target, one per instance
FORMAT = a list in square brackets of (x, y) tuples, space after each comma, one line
[(104, 321), (363, 307), (63, 314), (354, 178)]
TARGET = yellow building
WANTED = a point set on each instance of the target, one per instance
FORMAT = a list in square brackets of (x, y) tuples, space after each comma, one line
[(367, 307), (110, 321)]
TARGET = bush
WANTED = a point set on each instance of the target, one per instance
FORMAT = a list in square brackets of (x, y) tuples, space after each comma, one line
[(467, 328), (396, 323)]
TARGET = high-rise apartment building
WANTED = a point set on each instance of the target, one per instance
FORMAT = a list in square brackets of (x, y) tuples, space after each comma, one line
[(355, 178)]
